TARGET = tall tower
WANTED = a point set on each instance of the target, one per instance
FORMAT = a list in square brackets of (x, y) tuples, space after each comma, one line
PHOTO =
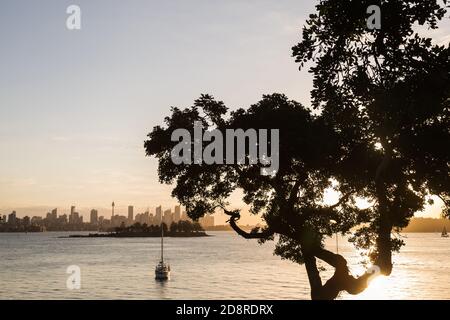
[(113, 205), (130, 214)]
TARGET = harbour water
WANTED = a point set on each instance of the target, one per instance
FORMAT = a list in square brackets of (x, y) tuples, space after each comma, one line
[(223, 266)]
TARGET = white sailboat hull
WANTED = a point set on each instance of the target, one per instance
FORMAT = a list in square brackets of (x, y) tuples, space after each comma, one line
[(162, 275), (162, 271)]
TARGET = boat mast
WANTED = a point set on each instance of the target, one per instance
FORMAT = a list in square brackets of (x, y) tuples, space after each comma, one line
[(162, 245)]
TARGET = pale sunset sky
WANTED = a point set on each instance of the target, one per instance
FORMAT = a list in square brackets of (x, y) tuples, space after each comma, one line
[(75, 106)]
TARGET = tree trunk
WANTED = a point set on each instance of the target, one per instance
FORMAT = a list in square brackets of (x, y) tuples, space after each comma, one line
[(341, 280)]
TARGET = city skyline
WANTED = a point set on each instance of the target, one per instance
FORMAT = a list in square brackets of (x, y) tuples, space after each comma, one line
[(63, 221), (431, 210)]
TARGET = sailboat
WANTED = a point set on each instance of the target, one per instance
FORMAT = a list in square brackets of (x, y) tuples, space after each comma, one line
[(162, 270), (444, 233)]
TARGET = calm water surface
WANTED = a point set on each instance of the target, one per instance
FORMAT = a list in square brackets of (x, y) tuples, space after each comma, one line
[(224, 266)]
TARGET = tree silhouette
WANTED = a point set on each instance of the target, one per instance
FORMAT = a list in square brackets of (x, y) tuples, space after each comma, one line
[(173, 227), (387, 88), (380, 132), (196, 227)]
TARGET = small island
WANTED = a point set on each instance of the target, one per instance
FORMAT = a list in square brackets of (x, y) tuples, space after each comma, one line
[(181, 228)]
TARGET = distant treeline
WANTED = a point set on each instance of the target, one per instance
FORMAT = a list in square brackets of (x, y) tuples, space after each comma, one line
[(177, 229), (416, 225), (227, 227), (182, 226), (427, 225), (14, 228)]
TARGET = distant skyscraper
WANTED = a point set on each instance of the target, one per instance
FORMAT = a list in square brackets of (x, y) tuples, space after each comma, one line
[(112, 205), (12, 218), (152, 220), (145, 218), (177, 214), (158, 215), (74, 218), (167, 219), (54, 214), (94, 216), (130, 214)]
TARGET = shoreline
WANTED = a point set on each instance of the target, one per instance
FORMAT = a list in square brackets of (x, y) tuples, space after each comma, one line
[(139, 235)]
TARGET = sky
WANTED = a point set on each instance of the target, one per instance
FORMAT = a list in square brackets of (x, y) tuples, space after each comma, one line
[(76, 105)]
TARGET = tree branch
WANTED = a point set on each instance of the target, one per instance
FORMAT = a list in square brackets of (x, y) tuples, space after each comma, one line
[(343, 199), (235, 216), (445, 201)]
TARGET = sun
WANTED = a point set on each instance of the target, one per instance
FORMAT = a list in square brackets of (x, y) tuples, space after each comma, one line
[(376, 289)]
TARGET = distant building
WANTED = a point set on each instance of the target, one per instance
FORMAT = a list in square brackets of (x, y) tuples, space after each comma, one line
[(138, 218), (167, 218), (74, 217), (52, 216), (72, 210), (36, 220), (143, 218), (177, 214), (207, 221), (130, 215), (152, 220), (158, 215), (12, 218), (112, 210), (146, 218), (62, 219), (117, 220), (94, 216)]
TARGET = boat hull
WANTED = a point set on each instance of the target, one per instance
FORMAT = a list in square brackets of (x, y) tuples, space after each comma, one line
[(162, 275)]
